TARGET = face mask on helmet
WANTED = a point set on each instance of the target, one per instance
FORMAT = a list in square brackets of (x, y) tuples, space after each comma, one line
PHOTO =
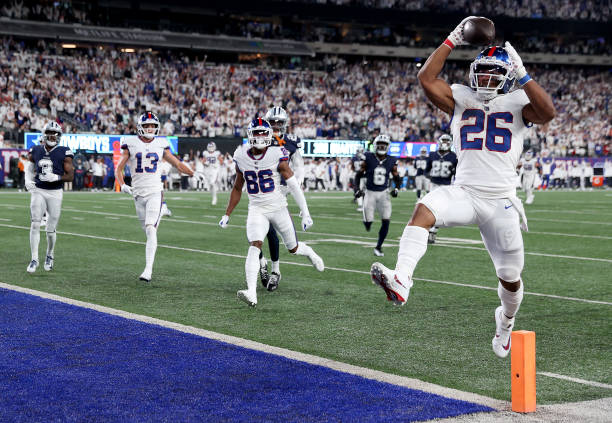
[(277, 118), (423, 151), (51, 138), (490, 75), (211, 147), (148, 126), (444, 143), (381, 146), (529, 155), (259, 134), (278, 125)]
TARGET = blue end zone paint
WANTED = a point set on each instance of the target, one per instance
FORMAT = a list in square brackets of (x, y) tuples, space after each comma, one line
[(60, 362)]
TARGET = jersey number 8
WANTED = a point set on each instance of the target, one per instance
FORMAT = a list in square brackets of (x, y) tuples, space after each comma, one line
[(260, 181)]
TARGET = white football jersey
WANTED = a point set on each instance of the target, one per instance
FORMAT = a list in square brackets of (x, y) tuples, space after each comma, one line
[(211, 160), (488, 139), (261, 176), (145, 163), (529, 166)]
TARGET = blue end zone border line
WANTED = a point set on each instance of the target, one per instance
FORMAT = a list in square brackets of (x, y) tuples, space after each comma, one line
[(62, 362)]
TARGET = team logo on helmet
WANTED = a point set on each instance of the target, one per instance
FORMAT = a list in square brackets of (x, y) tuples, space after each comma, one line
[(491, 72), (52, 133), (148, 118), (259, 133)]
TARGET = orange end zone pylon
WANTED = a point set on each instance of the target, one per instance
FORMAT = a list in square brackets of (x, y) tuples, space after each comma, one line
[(523, 369)]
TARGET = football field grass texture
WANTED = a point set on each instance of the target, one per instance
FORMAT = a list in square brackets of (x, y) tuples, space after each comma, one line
[(442, 335)]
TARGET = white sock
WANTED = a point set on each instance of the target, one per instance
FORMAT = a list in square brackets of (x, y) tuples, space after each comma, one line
[(151, 247), (510, 301), (51, 237), (34, 239), (251, 268), (276, 267), (413, 245)]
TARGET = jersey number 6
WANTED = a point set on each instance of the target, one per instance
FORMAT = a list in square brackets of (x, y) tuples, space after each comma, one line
[(493, 133), (260, 181)]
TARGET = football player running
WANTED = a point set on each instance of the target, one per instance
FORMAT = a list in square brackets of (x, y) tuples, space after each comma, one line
[(49, 166), (377, 167), (421, 181), (211, 159), (530, 166), (488, 125), (261, 166), (278, 119), (144, 154), (356, 162), (441, 166)]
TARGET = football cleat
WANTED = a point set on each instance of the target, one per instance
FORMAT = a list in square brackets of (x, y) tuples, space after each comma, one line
[(247, 297), (32, 266), (378, 252), (317, 262), (145, 276), (396, 291), (48, 263), (273, 282), (166, 211), (503, 331), (263, 273)]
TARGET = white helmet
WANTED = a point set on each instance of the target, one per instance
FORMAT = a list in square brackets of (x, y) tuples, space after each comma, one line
[(211, 147), (146, 119), (52, 133), (528, 154), (445, 142), (259, 133), (382, 144), (278, 119), (423, 151)]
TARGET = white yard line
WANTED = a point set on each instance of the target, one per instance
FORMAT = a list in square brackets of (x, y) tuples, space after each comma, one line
[(294, 355), (339, 269), (576, 380)]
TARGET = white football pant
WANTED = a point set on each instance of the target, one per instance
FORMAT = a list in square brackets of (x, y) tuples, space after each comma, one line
[(258, 224), (376, 201)]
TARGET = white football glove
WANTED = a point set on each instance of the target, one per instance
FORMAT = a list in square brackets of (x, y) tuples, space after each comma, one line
[(49, 177), (456, 36), (30, 185), (223, 222), (306, 222), (517, 63), (127, 189)]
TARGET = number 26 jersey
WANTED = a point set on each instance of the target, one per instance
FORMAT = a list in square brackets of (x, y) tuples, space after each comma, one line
[(261, 176), (145, 163), (488, 139)]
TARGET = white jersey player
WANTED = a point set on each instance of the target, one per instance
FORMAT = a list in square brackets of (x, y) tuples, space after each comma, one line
[(488, 126), (49, 166), (260, 167), (211, 159), (529, 165), (144, 153)]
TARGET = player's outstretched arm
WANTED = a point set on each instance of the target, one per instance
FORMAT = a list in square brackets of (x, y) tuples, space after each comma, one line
[(297, 193), (68, 175), (169, 157), (297, 162)]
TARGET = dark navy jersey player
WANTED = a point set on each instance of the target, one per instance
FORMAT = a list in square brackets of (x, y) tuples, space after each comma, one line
[(377, 168), (441, 164), (49, 166)]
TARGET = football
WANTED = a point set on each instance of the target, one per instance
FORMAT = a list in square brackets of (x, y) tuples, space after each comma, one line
[(479, 31)]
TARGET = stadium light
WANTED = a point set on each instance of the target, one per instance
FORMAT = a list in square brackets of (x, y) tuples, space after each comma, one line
[(69, 46), (127, 50)]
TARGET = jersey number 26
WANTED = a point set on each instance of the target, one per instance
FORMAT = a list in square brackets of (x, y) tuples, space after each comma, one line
[(497, 139)]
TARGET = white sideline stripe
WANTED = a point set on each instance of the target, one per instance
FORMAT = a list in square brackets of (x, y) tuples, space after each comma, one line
[(68, 209), (6, 220), (354, 218), (294, 355), (339, 269), (574, 379)]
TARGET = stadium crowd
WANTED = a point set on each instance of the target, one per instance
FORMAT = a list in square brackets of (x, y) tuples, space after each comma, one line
[(102, 90)]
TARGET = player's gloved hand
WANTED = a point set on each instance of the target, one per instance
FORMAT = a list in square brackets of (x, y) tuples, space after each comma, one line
[(520, 73), (306, 222), (30, 185), (127, 189), (394, 192), (49, 177), (455, 38), (359, 193), (223, 222)]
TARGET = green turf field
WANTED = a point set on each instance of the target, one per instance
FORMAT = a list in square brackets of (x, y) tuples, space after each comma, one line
[(442, 335)]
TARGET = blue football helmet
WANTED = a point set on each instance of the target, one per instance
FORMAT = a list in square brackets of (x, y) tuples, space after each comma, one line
[(491, 72), (259, 133), (144, 119)]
